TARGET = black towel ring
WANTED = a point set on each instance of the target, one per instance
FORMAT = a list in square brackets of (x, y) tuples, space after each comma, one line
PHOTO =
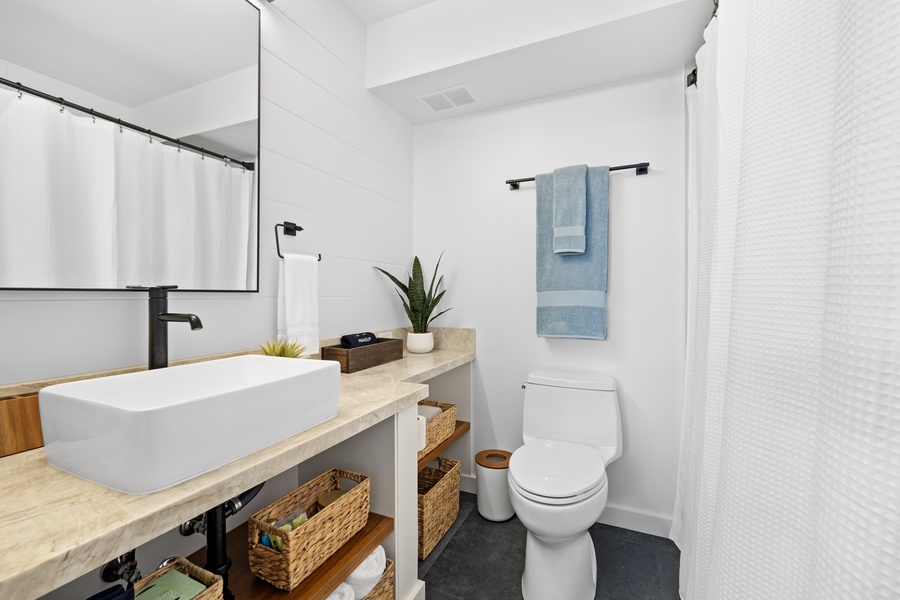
[(289, 229)]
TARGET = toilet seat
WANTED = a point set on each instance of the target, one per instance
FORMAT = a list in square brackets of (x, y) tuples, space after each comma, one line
[(554, 472)]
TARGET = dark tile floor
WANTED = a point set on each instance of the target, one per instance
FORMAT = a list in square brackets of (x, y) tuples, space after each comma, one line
[(482, 560)]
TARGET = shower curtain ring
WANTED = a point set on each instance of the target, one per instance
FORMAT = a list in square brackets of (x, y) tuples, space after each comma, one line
[(150, 134), (227, 160), (120, 125), (19, 85), (202, 153), (61, 104), (93, 116)]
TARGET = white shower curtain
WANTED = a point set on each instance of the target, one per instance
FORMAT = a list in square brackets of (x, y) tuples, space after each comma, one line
[(85, 205), (56, 196), (789, 484), (182, 219)]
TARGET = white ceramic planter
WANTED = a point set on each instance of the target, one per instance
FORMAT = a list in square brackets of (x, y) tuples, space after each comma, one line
[(420, 343)]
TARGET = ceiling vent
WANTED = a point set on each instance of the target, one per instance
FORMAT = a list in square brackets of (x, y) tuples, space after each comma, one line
[(454, 97)]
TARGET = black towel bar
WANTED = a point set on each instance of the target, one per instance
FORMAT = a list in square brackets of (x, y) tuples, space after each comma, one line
[(639, 169)]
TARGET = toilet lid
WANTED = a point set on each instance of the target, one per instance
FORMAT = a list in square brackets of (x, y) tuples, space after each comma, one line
[(555, 469)]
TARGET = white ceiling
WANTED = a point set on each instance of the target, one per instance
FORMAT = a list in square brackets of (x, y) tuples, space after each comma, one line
[(636, 39), (372, 11)]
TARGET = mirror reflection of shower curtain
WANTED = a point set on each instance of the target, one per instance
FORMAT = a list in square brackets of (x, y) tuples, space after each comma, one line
[(789, 477), (57, 201), (182, 219), (106, 209)]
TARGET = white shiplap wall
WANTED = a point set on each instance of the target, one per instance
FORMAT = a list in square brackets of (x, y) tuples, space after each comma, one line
[(334, 159)]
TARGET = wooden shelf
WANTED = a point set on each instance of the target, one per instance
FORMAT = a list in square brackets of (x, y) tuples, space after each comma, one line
[(461, 428), (320, 583)]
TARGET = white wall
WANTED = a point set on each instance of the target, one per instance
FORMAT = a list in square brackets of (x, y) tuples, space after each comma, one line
[(221, 102), (334, 159), (462, 207)]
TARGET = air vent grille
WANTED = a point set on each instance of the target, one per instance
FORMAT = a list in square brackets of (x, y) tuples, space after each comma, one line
[(437, 102), (454, 97), (460, 96)]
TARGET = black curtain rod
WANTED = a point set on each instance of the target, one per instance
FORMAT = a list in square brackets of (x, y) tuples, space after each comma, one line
[(90, 111), (639, 169)]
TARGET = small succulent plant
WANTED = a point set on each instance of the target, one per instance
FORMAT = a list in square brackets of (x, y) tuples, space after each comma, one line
[(287, 348)]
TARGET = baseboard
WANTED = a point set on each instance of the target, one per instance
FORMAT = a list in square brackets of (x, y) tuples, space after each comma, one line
[(628, 518), (418, 591), (467, 484)]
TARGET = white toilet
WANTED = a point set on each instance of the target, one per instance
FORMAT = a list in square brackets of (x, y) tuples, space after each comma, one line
[(557, 480)]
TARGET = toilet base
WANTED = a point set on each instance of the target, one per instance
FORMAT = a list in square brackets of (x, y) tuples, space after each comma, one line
[(560, 569)]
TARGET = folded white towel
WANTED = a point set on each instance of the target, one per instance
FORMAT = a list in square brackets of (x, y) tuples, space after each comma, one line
[(429, 412), (298, 301), (343, 592), (367, 574)]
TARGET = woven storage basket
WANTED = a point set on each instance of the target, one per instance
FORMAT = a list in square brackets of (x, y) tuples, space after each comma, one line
[(439, 428), (213, 583), (384, 589), (308, 546), (438, 503)]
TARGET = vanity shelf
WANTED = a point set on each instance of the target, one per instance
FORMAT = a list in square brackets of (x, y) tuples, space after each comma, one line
[(461, 428), (320, 583)]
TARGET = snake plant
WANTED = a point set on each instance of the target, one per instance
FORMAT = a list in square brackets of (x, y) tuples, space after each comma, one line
[(419, 306)]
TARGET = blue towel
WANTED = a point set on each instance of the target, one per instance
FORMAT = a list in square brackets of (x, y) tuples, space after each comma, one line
[(569, 199), (571, 290)]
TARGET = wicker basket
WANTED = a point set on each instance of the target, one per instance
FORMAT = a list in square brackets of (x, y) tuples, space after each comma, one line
[(438, 503), (384, 589), (213, 583), (308, 546), (439, 428)]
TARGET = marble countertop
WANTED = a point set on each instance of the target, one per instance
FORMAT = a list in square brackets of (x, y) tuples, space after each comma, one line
[(54, 526)]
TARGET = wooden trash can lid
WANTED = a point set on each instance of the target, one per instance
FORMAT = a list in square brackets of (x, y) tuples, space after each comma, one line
[(493, 459)]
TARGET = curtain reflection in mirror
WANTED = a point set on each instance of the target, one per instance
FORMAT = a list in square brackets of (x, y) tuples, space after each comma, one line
[(100, 207)]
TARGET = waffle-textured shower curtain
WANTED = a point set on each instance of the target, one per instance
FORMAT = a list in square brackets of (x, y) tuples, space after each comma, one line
[(789, 484)]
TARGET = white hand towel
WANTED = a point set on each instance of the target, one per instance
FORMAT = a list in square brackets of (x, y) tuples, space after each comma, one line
[(367, 574), (298, 301), (343, 592)]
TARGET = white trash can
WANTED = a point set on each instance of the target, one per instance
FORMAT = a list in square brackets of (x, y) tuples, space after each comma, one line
[(491, 472)]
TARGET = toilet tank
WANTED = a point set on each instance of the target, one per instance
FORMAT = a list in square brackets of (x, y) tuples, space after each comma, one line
[(569, 406)]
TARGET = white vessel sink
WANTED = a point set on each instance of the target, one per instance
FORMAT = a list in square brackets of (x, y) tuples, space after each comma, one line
[(142, 432)]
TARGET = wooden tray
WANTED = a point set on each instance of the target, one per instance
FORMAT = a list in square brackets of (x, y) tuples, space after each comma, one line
[(364, 357)]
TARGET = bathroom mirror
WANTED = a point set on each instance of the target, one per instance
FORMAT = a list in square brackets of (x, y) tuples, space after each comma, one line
[(89, 203)]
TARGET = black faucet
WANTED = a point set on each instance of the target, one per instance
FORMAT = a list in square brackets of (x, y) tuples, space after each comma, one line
[(159, 325)]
